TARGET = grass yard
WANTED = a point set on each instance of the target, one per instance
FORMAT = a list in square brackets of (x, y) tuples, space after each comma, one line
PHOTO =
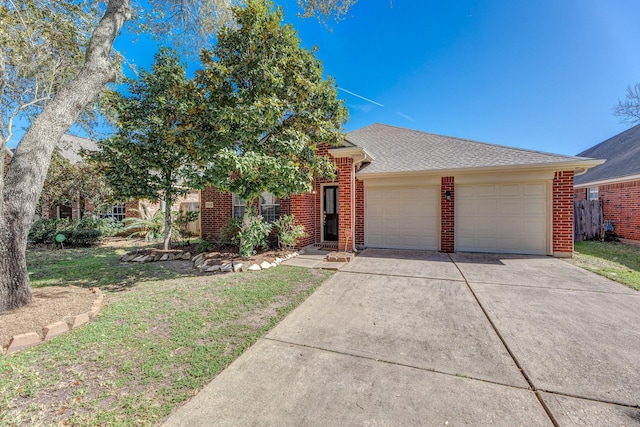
[(162, 336), (617, 261)]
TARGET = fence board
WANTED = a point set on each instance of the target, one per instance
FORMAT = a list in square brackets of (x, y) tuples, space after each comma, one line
[(587, 220)]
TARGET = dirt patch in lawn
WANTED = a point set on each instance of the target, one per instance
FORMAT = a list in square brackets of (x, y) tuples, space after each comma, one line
[(49, 305)]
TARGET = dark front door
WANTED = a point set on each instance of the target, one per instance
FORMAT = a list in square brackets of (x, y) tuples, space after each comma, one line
[(330, 214)]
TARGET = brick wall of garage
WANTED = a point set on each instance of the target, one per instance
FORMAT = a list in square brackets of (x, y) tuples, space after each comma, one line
[(447, 214), (562, 214)]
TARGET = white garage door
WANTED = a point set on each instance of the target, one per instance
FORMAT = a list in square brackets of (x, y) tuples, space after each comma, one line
[(402, 218), (501, 218)]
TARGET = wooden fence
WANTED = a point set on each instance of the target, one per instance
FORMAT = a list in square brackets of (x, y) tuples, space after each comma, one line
[(587, 220)]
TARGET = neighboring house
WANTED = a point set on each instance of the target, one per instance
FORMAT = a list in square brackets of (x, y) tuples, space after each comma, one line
[(615, 183), (406, 189), (70, 147)]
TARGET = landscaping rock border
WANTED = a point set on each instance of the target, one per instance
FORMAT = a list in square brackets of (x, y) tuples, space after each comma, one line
[(30, 339), (203, 264), (155, 255)]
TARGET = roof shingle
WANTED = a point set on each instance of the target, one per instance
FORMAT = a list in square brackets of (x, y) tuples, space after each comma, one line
[(403, 150), (622, 153)]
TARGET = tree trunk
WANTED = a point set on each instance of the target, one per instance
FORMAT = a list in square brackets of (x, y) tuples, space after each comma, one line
[(30, 164), (168, 203)]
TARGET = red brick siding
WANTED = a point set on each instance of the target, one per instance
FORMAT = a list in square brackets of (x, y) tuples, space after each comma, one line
[(580, 193), (302, 208), (563, 213), (621, 206), (359, 221), (214, 218), (447, 215), (132, 209), (346, 183)]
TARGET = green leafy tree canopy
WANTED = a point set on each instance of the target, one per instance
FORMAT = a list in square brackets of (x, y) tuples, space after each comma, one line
[(264, 99), (152, 154)]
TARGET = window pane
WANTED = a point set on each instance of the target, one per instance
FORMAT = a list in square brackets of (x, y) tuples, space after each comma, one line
[(329, 201), (238, 211), (269, 207), (237, 201)]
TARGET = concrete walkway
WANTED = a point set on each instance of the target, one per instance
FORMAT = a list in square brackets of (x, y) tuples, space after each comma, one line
[(400, 338)]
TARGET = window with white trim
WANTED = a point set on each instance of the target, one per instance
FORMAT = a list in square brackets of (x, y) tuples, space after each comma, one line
[(592, 193), (238, 206), (117, 212), (269, 207)]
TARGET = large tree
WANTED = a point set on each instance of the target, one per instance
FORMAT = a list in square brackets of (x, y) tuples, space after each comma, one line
[(265, 101), (153, 153), (21, 186), (629, 108)]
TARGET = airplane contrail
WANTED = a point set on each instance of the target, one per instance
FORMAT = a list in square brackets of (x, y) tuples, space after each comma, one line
[(360, 96)]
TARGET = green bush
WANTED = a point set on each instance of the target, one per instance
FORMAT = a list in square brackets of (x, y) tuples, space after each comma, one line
[(228, 235), (84, 232), (45, 230), (150, 226), (288, 232), (252, 236)]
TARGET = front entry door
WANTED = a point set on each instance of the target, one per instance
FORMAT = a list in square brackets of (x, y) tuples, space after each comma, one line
[(330, 214)]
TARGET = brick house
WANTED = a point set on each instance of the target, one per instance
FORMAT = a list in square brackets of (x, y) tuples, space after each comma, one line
[(616, 183), (70, 147), (406, 189)]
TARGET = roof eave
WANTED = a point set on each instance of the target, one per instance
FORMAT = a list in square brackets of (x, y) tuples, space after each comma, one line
[(579, 166), (358, 154), (607, 181)]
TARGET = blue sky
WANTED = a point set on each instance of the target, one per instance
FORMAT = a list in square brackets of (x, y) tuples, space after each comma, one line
[(542, 75)]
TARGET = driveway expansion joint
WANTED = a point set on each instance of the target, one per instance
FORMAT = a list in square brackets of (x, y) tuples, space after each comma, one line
[(403, 365), (478, 282), (495, 329), (409, 276)]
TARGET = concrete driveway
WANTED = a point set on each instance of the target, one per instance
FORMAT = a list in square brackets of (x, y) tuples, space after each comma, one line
[(400, 338)]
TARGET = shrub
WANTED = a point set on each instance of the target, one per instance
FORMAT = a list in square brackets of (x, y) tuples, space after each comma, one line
[(253, 235), (45, 230), (288, 232), (228, 235), (84, 232), (148, 226)]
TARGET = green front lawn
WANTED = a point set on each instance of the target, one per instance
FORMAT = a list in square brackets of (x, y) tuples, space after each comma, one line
[(617, 261), (162, 336)]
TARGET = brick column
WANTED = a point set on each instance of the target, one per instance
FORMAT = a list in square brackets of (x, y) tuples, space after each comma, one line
[(447, 215), (346, 184), (563, 214), (359, 221)]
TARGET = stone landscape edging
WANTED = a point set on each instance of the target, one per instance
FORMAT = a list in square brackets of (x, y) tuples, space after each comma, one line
[(200, 262), (30, 339)]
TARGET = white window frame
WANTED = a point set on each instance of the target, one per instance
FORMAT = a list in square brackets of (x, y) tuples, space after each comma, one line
[(117, 212), (592, 193), (269, 211), (239, 205)]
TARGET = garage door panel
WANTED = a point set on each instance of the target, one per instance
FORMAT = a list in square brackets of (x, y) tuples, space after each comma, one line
[(510, 218), (402, 217)]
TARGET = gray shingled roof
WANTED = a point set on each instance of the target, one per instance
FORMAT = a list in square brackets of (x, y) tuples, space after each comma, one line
[(622, 153), (396, 149), (70, 146)]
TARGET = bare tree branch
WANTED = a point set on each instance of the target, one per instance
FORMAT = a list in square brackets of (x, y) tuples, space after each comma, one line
[(629, 109)]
